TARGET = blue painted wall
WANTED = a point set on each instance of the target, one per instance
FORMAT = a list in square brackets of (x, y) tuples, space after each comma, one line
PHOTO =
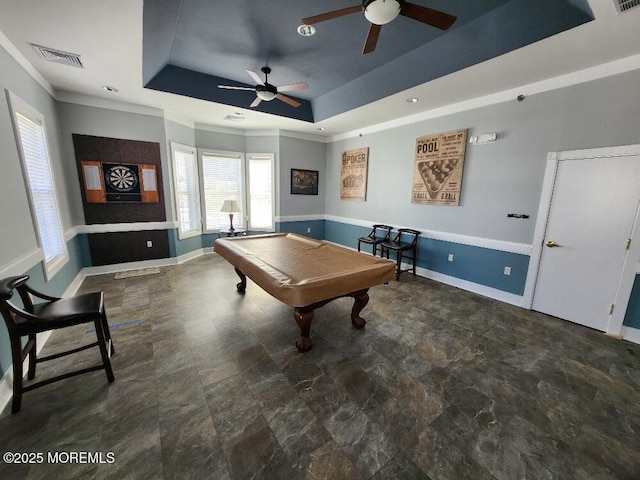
[(632, 317), (317, 228), (479, 265)]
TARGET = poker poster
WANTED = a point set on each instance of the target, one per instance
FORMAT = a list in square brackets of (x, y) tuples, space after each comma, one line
[(353, 175), (439, 163)]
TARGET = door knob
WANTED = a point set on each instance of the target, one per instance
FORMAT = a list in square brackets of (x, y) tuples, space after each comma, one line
[(551, 244)]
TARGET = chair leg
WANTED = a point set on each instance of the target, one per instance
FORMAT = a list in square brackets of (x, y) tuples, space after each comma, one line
[(358, 245), (32, 358), (107, 333), (398, 263), (375, 250), (413, 259), (103, 349), (16, 353)]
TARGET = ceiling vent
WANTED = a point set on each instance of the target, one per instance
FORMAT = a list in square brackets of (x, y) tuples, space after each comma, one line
[(58, 56), (624, 5)]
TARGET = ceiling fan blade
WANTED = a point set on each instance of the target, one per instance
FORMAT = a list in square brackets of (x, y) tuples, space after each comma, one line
[(372, 38), (256, 102), (334, 14), (228, 87), (255, 77), (426, 15), (293, 86), (288, 100)]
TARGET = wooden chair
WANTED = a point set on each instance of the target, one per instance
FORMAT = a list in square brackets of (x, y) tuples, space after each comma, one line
[(54, 313), (405, 244), (377, 235)]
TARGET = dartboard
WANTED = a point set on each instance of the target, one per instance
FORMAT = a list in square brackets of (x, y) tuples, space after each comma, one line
[(121, 178)]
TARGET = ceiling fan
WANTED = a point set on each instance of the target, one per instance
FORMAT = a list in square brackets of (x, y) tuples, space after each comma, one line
[(267, 92), (380, 12)]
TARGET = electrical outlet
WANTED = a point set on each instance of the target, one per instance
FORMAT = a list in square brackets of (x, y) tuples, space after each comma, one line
[(450, 257), (149, 244), (309, 230), (507, 270)]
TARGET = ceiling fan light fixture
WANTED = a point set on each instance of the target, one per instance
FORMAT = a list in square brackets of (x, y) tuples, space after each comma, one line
[(266, 95), (381, 12)]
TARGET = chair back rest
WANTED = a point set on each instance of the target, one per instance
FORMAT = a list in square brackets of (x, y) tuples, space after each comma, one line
[(407, 236), (7, 286), (381, 231)]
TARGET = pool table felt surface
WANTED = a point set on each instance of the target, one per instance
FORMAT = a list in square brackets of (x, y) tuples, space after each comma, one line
[(301, 271)]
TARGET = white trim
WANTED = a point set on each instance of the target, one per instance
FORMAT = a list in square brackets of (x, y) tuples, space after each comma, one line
[(23, 263), (483, 290), (492, 244), (630, 334), (300, 218), (575, 78), (218, 129), (160, 262), (172, 117), (126, 227)]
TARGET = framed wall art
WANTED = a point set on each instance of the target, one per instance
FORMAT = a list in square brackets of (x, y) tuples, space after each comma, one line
[(353, 176), (439, 163), (304, 182)]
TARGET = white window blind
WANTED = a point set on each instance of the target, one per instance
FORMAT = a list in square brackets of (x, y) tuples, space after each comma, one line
[(185, 182), (39, 179), (222, 180), (260, 191)]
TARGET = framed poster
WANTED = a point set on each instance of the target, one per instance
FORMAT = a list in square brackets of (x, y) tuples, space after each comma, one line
[(106, 182), (439, 163), (353, 176), (304, 182)]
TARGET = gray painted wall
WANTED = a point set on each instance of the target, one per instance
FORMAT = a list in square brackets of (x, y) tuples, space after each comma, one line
[(19, 236), (499, 178), (307, 155), (103, 122)]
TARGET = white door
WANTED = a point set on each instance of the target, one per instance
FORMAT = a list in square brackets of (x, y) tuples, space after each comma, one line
[(592, 214)]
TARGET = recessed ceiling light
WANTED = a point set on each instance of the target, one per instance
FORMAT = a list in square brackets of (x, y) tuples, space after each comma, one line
[(412, 100), (306, 30), (110, 89), (321, 128)]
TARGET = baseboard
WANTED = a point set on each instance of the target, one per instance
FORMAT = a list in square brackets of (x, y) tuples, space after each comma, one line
[(630, 334)]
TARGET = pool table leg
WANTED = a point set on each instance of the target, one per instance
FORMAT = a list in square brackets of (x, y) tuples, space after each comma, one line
[(303, 317), (242, 286), (361, 299)]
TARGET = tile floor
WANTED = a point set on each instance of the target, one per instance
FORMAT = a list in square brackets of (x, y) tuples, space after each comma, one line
[(441, 384)]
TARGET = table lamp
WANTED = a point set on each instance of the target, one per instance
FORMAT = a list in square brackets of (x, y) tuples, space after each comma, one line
[(230, 206)]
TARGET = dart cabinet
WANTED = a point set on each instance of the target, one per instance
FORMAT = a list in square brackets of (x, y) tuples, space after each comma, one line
[(121, 182)]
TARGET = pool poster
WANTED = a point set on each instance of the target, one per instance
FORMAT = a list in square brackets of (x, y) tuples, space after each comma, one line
[(437, 177), (353, 176)]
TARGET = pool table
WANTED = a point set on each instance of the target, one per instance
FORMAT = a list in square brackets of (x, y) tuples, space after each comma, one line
[(305, 273)]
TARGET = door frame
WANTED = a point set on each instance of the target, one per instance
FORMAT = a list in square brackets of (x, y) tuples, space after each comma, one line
[(632, 260)]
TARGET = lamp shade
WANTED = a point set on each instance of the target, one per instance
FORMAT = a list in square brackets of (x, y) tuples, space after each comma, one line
[(230, 206), (381, 11)]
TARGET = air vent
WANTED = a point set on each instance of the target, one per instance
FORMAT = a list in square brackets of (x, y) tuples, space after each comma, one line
[(58, 56), (624, 5)]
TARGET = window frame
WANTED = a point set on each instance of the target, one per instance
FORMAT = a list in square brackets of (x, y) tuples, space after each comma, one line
[(271, 157), (17, 106), (195, 200)]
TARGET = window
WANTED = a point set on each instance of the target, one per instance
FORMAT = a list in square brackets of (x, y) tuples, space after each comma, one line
[(36, 165), (260, 191), (185, 185), (247, 180)]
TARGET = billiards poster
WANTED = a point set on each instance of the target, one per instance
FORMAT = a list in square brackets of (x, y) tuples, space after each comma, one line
[(353, 176), (439, 163)]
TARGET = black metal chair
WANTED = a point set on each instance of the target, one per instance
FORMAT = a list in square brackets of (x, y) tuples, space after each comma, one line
[(377, 235), (405, 244), (54, 313)]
